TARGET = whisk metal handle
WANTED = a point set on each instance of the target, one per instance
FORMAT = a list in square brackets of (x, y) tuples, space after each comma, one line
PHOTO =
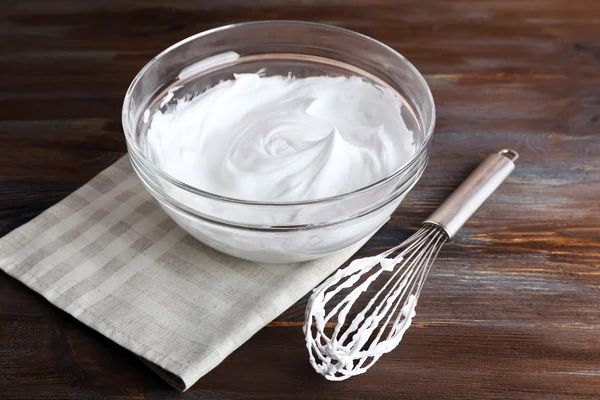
[(474, 191)]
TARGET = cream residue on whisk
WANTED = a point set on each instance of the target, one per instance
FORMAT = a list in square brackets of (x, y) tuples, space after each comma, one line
[(343, 354), (281, 138)]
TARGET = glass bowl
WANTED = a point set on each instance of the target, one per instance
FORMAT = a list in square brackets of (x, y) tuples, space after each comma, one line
[(276, 232)]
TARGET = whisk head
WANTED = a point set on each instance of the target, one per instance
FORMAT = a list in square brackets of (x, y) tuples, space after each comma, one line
[(339, 349)]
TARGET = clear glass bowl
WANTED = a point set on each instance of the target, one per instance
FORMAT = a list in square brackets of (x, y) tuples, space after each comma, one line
[(275, 231)]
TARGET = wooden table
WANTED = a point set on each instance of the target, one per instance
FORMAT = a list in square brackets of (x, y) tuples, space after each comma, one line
[(512, 307)]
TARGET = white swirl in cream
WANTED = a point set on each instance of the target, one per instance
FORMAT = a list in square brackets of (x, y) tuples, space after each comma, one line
[(282, 139)]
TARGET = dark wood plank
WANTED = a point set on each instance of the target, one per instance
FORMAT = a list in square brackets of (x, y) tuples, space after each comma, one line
[(512, 307)]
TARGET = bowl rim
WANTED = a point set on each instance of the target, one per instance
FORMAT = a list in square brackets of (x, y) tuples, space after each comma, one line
[(141, 157)]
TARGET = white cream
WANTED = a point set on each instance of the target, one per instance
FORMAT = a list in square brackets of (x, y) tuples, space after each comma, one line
[(344, 352), (280, 138)]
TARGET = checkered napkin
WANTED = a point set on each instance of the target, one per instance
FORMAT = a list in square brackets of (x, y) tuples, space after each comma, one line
[(109, 256)]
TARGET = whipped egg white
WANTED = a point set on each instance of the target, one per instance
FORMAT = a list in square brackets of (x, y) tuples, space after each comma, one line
[(280, 138)]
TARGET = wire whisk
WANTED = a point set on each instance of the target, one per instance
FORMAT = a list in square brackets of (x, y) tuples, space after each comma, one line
[(339, 350)]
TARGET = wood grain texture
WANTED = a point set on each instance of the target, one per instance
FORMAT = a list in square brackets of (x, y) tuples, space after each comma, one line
[(512, 307)]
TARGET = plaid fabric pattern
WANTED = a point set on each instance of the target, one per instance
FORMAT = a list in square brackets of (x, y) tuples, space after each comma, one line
[(109, 256)]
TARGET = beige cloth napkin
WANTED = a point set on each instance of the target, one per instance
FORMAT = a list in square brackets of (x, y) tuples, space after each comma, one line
[(109, 256)]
